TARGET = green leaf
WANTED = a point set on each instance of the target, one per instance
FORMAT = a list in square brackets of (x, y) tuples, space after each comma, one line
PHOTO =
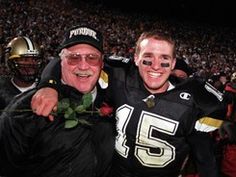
[(72, 109), (84, 122), (70, 123), (68, 112), (80, 109), (63, 105), (87, 100), (72, 115), (73, 105)]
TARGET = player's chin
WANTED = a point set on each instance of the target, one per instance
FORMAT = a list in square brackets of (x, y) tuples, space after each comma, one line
[(153, 80)]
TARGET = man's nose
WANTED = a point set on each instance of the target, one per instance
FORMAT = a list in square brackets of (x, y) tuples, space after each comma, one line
[(156, 63), (83, 63)]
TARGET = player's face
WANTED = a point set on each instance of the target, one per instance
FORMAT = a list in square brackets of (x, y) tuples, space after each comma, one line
[(155, 62), (28, 65), (179, 73), (81, 66)]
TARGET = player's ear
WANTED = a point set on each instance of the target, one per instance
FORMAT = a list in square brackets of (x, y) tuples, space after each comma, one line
[(173, 64)]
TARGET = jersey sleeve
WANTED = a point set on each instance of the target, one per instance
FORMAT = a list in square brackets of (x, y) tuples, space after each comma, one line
[(51, 75), (209, 100), (203, 154), (209, 104)]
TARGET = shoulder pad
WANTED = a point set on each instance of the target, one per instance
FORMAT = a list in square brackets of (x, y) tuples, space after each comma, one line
[(103, 80), (210, 88), (117, 61)]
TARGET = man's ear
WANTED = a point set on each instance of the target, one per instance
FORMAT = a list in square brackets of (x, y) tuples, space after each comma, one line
[(102, 61), (136, 60), (173, 64)]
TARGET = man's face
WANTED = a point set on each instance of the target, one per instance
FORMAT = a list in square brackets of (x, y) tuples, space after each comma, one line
[(155, 62), (81, 66)]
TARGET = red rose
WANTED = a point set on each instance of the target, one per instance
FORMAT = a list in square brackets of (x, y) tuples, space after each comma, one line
[(105, 110)]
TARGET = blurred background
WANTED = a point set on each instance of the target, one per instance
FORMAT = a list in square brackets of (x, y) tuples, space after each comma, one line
[(205, 31)]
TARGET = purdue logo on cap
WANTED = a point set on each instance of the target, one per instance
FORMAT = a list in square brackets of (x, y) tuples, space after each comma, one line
[(83, 35), (83, 31)]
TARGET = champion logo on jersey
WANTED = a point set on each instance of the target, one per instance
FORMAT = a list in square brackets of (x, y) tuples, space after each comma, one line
[(185, 96)]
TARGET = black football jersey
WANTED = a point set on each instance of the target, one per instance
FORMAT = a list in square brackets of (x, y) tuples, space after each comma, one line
[(154, 130)]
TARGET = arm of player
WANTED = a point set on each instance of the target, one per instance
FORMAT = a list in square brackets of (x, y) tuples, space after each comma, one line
[(202, 148), (51, 75), (45, 100), (226, 128)]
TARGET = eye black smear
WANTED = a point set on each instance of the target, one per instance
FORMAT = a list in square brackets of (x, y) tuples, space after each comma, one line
[(165, 64), (145, 62)]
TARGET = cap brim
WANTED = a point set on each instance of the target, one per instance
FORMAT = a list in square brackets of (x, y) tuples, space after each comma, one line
[(79, 42)]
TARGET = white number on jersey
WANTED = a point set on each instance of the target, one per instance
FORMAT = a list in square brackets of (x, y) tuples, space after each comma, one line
[(149, 150)]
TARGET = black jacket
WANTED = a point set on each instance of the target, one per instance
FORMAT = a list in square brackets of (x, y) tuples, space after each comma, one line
[(31, 146)]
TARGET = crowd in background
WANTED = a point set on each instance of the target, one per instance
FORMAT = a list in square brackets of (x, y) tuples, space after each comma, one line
[(209, 50)]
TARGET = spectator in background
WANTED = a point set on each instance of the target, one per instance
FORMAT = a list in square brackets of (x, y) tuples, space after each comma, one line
[(230, 93), (25, 61), (229, 149), (219, 80)]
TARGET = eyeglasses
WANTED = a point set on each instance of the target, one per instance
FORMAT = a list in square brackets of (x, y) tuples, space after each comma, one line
[(74, 58)]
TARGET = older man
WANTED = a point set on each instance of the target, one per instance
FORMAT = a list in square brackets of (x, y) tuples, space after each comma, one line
[(79, 142)]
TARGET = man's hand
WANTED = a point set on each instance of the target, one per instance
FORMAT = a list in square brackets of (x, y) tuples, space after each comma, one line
[(228, 130), (44, 101)]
